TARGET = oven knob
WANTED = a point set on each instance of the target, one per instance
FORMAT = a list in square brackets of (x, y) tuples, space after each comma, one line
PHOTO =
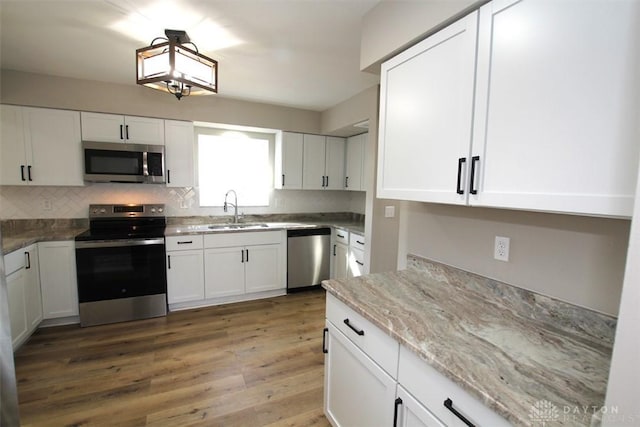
[(160, 210), (153, 210), (95, 211), (103, 210)]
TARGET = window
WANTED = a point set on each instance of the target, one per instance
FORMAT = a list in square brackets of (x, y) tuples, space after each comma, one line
[(234, 160)]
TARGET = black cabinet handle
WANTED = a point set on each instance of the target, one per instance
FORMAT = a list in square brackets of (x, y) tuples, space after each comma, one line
[(22, 172), (168, 176), (121, 134), (324, 340), (28, 260), (29, 172), (346, 182), (359, 263), (449, 405), (398, 402), (126, 131), (472, 187), (242, 255), (340, 235), (247, 255), (283, 180), (357, 331), (461, 161), (359, 242), (334, 250), (186, 242), (327, 181), (169, 262)]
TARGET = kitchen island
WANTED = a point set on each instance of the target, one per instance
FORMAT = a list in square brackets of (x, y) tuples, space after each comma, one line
[(513, 350)]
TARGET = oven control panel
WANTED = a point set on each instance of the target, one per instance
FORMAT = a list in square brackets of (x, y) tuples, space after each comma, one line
[(126, 211)]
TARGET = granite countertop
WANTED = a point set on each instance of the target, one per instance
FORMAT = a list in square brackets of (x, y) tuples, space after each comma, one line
[(508, 347), (12, 243), (187, 229)]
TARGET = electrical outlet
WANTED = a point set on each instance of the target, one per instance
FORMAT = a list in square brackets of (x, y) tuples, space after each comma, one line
[(46, 205), (501, 248), (389, 211)]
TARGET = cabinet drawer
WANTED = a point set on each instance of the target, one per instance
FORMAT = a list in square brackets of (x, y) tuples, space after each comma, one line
[(179, 243), (342, 236), (243, 238), (356, 241), (15, 260), (376, 344), (432, 388)]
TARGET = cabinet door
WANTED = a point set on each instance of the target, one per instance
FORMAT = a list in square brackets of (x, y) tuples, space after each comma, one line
[(334, 163), (224, 272), (144, 130), (354, 163), (313, 164), (557, 110), (179, 146), (58, 279), (185, 276), (263, 270), (33, 294), (102, 127), (54, 147), (356, 263), (292, 149), (357, 391), (411, 413), (13, 161), (16, 299), (426, 101), (340, 261)]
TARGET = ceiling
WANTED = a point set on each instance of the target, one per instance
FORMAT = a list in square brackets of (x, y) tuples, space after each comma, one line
[(299, 53)]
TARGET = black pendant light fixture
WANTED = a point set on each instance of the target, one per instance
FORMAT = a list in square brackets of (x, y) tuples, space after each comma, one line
[(173, 67)]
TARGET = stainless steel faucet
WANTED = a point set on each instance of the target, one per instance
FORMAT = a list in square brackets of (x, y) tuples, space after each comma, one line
[(234, 204)]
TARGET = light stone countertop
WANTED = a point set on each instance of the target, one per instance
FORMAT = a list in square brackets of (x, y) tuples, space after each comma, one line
[(190, 229), (508, 347), (12, 243)]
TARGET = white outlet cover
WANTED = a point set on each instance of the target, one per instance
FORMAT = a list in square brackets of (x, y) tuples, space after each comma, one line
[(389, 211), (501, 248)]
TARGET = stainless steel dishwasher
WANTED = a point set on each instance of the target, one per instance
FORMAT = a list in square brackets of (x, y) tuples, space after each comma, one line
[(308, 257)]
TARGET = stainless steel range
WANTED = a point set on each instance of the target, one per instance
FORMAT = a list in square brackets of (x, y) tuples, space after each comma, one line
[(120, 263)]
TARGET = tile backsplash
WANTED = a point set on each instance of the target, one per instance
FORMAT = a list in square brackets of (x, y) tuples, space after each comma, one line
[(73, 202)]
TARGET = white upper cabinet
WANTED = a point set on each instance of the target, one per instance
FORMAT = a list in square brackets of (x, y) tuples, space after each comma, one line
[(354, 164), (323, 164), (554, 125), (40, 146), (557, 106), (314, 159), (179, 158), (334, 163), (426, 101), (116, 128), (289, 161)]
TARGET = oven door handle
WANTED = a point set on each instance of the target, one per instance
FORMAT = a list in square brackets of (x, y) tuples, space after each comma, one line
[(118, 243)]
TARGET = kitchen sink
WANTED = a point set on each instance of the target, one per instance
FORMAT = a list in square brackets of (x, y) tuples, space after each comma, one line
[(237, 226)]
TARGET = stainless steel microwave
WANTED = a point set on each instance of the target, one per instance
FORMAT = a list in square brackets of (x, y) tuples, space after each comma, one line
[(120, 162)]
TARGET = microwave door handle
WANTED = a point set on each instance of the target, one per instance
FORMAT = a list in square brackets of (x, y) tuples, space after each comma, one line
[(145, 164)]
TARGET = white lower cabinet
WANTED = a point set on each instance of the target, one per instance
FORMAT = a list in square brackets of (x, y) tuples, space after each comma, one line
[(224, 272), (410, 413), (357, 391), (340, 261), (58, 280), (185, 276), (23, 288), (17, 314), (224, 267), (370, 380)]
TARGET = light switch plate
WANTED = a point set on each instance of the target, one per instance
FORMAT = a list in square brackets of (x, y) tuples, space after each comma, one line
[(389, 211)]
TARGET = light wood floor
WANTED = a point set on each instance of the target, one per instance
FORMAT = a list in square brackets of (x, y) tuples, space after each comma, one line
[(257, 363)]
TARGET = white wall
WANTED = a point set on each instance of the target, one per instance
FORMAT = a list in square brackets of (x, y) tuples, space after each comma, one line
[(394, 25), (576, 259)]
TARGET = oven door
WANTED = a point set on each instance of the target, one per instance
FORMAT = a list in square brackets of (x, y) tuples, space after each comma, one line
[(114, 269)]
